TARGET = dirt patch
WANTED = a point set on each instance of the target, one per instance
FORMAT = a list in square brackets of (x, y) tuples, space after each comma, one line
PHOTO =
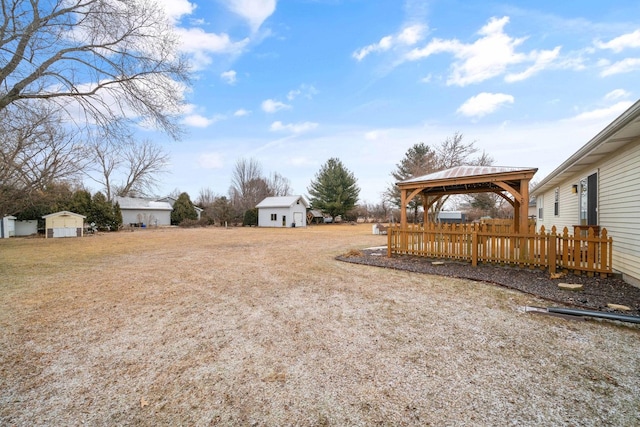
[(597, 293)]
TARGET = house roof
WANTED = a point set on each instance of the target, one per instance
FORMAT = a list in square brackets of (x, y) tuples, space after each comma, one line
[(281, 202), (171, 201), (141, 204), (63, 213), (621, 131)]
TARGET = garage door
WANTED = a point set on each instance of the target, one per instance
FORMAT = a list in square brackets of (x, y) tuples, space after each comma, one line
[(65, 232)]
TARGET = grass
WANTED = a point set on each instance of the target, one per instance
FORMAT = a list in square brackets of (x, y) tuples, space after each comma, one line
[(255, 326)]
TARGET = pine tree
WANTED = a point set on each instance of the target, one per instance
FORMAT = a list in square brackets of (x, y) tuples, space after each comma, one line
[(183, 209), (418, 160), (334, 190)]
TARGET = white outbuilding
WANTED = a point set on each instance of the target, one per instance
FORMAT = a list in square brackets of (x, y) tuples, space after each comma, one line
[(144, 212), (64, 224), (283, 211), (7, 227)]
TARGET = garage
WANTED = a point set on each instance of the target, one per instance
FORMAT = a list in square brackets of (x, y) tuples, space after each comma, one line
[(63, 224)]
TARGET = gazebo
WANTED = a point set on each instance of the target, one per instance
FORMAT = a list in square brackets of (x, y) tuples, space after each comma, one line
[(504, 181)]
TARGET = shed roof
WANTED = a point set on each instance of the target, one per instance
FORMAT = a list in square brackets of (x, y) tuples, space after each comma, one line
[(63, 213), (281, 202), (140, 204), (624, 129)]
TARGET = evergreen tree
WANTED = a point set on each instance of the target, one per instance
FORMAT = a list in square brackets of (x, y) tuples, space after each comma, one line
[(81, 203), (250, 217), (183, 209), (418, 160), (117, 216), (102, 213), (334, 190)]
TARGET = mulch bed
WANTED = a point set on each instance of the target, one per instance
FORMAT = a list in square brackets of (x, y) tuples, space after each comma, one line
[(597, 292)]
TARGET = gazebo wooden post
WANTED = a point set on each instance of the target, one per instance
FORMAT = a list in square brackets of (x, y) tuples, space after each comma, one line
[(403, 208), (425, 210), (524, 206)]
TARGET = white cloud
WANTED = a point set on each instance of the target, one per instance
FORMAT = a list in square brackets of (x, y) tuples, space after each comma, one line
[(229, 77), (622, 42), (255, 12), (296, 128), (484, 103), (409, 36), (201, 45), (375, 135), (616, 94), (210, 161), (199, 121), (603, 113), (625, 66), (306, 91), (241, 112), (541, 59), (175, 9), (487, 57), (271, 106)]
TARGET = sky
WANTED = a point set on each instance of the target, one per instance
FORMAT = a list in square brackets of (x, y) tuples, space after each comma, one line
[(292, 83)]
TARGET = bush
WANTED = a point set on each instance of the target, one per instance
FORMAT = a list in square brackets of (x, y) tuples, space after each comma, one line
[(250, 217), (193, 223)]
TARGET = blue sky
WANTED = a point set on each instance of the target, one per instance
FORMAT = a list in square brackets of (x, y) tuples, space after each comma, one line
[(292, 83)]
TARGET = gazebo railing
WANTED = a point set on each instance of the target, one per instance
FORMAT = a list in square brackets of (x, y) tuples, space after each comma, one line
[(474, 243)]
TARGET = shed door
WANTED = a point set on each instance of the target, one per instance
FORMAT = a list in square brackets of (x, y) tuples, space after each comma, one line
[(297, 218), (65, 232)]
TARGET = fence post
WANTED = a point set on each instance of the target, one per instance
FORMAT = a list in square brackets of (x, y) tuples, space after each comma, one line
[(389, 234), (474, 248), (551, 250)]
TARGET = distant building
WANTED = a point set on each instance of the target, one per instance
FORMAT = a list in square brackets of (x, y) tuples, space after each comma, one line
[(144, 212), (284, 211), (451, 217)]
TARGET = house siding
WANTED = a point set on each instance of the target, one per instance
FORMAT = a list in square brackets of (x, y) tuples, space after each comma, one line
[(146, 217), (619, 205), (569, 210)]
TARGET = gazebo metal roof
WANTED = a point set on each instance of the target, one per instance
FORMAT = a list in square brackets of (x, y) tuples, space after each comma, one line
[(472, 179)]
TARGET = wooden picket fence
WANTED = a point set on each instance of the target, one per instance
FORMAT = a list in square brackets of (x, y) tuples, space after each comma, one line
[(555, 252)]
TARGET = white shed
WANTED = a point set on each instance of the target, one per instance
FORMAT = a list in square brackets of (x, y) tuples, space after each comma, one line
[(64, 224), (7, 227), (284, 211)]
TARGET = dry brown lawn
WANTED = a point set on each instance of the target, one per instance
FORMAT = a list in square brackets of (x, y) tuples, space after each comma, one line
[(264, 327)]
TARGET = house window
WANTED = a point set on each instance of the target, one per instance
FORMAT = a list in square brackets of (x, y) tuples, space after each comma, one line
[(540, 201), (556, 202), (274, 217)]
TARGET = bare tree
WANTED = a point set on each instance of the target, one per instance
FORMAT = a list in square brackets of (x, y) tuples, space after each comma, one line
[(248, 187), (279, 185), (128, 169), (105, 59), (206, 197), (34, 154)]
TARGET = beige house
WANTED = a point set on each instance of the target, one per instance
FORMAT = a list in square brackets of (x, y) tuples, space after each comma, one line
[(64, 224), (599, 186)]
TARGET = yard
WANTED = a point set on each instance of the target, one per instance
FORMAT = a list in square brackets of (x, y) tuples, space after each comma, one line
[(251, 326)]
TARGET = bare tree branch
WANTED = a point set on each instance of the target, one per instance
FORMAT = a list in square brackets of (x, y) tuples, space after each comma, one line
[(93, 52)]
